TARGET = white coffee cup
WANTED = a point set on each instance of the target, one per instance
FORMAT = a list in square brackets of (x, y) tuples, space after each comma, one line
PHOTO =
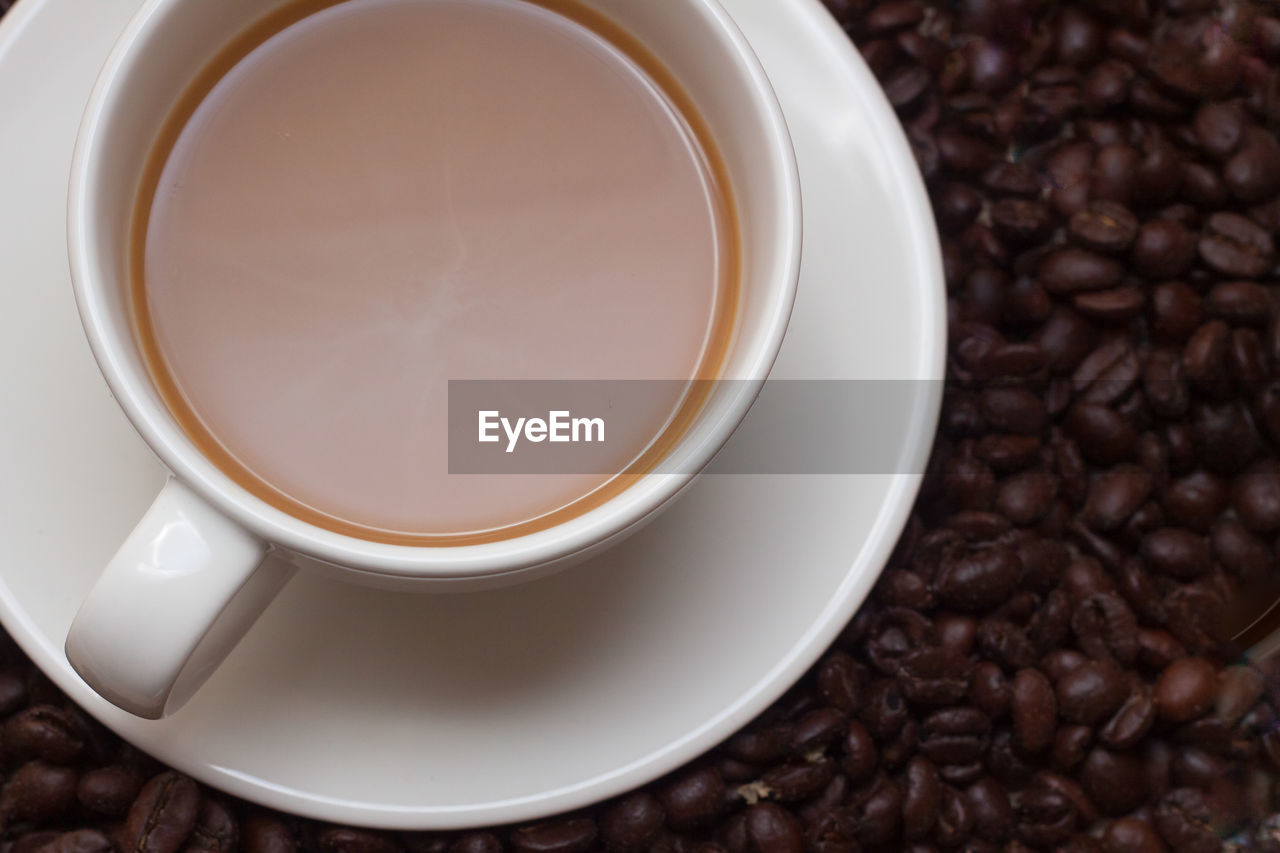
[(208, 556)]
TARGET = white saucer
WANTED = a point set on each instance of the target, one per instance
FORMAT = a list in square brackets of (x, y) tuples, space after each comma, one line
[(366, 707)]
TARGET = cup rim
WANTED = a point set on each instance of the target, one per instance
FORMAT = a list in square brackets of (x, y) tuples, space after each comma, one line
[(591, 529)]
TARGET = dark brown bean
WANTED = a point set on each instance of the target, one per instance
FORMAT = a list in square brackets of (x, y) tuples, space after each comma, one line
[(772, 829), (1176, 311), (1131, 835), (1240, 302), (1255, 495), (264, 834), (631, 824), (1234, 245), (991, 810), (1072, 270), (839, 682), (575, 835), (476, 842), (922, 795), (108, 791), (43, 732), (1114, 781), (1163, 249), (1131, 722), (858, 753), (1034, 708), (338, 839), (1185, 689), (164, 814), (692, 799), (1114, 496), (1091, 692), (1177, 552), (1253, 174), (1185, 821), (1103, 226), (38, 791), (216, 830), (1070, 746)]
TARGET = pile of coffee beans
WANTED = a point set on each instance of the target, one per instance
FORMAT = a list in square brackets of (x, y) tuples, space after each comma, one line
[(1053, 659)]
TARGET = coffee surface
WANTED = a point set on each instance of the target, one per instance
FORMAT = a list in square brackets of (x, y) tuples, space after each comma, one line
[(389, 194)]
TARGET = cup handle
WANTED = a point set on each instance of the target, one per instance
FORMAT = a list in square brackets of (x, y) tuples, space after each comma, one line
[(171, 604)]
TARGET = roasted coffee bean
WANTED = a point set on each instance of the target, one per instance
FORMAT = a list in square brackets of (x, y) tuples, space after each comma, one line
[(1115, 496), (991, 811), (954, 736), (1185, 689), (38, 791), (43, 732), (163, 815), (1225, 439), (772, 829), (955, 819), (270, 835), (216, 830), (1131, 835), (1177, 552), (1163, 249), (989, 690), (692, 799), (1241, 552), (1025, 498), (1239, 302), (1034, 709), (922, 795), (1141, 590), (934, 676), (1108, 373), (77, 841), (1131, 722), (1234, 245), (1253, 173), (1105, 627), (631, 824), (1219, 128), (816, 730), (1175, 311), (957, 634), (347, 840), (1013, 410), (1255, 495), (1195, 500), (1071, 270), (108, 791), (798, 781), (760, 744), (877, 812), (1091, 692), (1239, 688), (1104, 436), (838, 682), (1185, 821), (1045, 817), (1104, 226), (1204, 359), (557, 836), (1006, 643), (1070, 745), (1114, 781), (858, 757), (485, 842), (978, 579)]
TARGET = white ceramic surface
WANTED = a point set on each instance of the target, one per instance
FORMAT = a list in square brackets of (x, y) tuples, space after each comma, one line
[(378, 708)]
